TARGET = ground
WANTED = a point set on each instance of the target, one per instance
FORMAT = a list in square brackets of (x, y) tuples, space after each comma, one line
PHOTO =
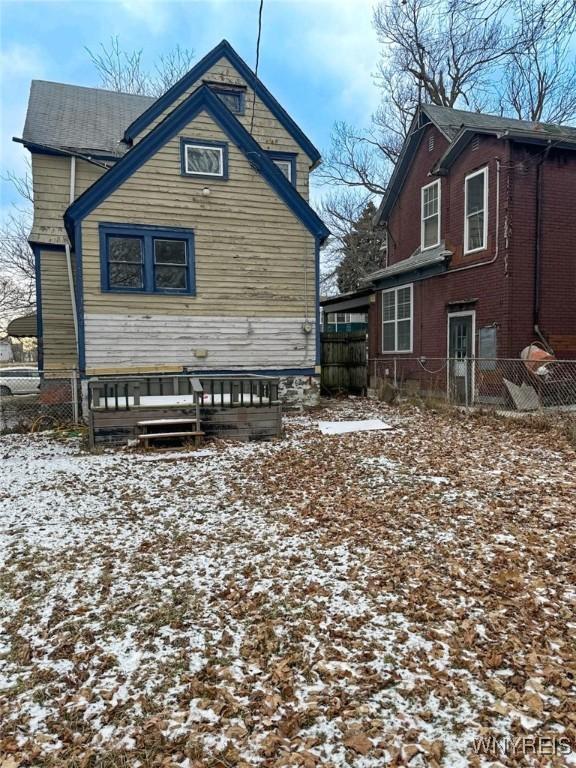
[(368, 599)]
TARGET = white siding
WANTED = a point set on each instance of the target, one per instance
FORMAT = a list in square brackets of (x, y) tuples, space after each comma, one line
[(171, 342)]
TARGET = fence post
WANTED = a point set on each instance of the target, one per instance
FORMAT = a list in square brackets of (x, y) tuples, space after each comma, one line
[(74, 388)]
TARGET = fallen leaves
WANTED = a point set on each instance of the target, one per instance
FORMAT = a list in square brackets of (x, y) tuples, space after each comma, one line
[(372, 599)]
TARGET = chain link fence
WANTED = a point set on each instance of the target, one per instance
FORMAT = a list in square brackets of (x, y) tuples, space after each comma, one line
[(521, 386), (32, 402)]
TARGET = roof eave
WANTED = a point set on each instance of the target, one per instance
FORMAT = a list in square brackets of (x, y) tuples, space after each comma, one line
[(224, 50), (202, 98)]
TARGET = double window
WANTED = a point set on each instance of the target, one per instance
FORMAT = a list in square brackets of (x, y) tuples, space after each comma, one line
[(141, 259), (204, 159), (430, 215), (285, 162), (397, 319), (476, 211)]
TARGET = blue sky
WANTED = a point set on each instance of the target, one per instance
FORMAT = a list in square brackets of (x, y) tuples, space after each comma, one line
[(317, 57)]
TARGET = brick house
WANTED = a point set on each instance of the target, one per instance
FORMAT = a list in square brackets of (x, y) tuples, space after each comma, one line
[(481, 229)]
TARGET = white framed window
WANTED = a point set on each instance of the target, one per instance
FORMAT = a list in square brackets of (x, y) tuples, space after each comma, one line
[(205, 159), (285, 166), (476, 211), (397, 319), (430, 215)]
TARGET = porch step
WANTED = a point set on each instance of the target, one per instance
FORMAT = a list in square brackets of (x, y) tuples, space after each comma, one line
[(160, 422), (164, 435)]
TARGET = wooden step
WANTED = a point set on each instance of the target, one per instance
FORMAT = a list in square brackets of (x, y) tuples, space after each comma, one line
[(159, 422), (164, 435)]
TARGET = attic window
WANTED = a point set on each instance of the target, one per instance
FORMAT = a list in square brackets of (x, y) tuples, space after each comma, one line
[(204, 159), (430, 142), (285, 162), (475, 143), (233, 98)]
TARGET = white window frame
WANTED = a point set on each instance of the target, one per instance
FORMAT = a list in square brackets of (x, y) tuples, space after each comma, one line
[(439, 214), (278, 162), (397, 351), (484, 172), (211, 148)]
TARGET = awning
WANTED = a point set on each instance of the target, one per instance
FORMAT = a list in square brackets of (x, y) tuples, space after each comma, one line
[(22, 326)]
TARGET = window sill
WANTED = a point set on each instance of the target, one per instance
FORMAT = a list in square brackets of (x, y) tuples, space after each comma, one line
[(476, 250), (139, 292), (397, 352), (429, 247)]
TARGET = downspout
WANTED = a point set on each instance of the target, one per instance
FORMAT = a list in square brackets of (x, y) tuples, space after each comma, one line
[(69, 260), (538, 251)]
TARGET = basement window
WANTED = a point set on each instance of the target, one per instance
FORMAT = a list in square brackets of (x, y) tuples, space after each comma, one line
[(142, 259)]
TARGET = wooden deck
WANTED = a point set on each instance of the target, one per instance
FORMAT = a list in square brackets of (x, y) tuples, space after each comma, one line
[(238, 408)]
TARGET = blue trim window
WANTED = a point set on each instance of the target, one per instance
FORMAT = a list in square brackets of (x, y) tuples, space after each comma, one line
[(285, 162), (233, 98), (204, 159), (143, 259)]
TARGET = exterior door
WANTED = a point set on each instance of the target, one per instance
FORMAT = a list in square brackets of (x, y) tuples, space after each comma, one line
[(461, 352)]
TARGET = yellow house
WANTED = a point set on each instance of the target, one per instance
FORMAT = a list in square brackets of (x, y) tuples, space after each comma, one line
[(174, 234)]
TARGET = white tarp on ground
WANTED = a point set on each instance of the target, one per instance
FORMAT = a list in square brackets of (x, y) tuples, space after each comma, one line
[(341, 427)]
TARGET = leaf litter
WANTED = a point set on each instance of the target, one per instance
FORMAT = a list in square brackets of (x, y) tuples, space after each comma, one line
[(378, 598)]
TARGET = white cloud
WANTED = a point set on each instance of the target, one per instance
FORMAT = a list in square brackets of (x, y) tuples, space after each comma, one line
[(336, 40)]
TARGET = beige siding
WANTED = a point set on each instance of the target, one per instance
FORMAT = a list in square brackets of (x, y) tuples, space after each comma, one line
[(267, 131), (254, 259), (51, 184), (58, 340)]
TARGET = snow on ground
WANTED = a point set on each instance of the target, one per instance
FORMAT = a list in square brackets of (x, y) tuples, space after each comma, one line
[(365, 599)]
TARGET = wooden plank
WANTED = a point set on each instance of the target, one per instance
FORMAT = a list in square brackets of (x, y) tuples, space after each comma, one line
[(157, 435)]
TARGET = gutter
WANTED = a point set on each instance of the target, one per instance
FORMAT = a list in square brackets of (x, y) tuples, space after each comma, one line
[(32, 146)]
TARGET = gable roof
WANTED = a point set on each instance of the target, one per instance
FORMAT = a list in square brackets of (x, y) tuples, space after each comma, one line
[(202, 99), (451, 121), (459, 127), (72, 117), (223, 50)]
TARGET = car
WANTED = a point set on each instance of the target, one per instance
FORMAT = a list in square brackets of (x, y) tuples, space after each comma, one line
[(19, 381)]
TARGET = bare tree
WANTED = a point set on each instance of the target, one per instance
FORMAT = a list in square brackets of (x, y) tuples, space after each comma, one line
[(539, 77), (17, 273), (125, 71)]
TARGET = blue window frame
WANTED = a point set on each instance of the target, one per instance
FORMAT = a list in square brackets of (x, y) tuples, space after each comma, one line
[(285, 162), (204, 159), (145, 259), (234, 98)]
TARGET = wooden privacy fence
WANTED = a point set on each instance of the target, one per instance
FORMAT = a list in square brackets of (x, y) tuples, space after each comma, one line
[(344, 366)]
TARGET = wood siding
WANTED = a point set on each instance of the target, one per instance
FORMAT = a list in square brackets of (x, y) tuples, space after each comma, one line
[(251, 250), (58, 339), (267, 131), (117, 342), (51, 185)]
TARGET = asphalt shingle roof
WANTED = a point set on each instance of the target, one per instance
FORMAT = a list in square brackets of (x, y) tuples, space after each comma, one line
[(79, 118), (450, 121)]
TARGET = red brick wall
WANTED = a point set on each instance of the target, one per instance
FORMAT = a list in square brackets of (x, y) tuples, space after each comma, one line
[(503, 289)]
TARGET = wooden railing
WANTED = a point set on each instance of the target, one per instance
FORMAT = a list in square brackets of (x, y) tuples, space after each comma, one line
[(118, 393)]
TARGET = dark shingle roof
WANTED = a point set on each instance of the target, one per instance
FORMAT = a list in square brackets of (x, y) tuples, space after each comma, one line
[(451, 121), (79, 118)]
